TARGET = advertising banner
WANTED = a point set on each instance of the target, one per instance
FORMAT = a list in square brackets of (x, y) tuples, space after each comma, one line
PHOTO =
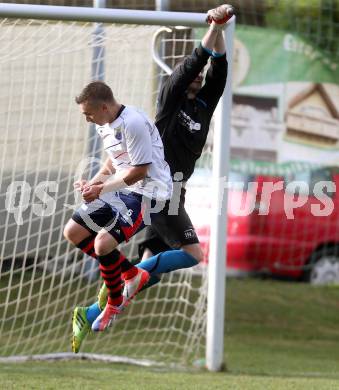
[(285, 99)]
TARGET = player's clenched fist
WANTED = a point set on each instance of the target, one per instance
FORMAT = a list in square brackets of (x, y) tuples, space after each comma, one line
[(217, 17), (80, 184), (91, 192)]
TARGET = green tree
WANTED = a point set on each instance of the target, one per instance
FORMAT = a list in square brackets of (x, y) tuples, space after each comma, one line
[(315, 20)]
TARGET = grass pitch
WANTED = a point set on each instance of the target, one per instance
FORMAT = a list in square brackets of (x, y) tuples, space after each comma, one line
[(278, 335), (86, 375)]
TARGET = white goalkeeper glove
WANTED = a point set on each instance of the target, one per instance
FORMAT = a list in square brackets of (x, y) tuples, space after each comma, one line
[(217, 17)]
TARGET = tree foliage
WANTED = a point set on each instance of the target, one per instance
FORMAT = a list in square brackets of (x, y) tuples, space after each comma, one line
[(315, 20)]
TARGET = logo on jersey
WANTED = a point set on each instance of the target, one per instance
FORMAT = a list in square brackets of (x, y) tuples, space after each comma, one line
[(127, 216), (118, 133), (186, 121), (189, 233)]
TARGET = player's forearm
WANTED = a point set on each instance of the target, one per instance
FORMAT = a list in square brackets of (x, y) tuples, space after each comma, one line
[(128, 178), (213, 41), (219, 46), (104, 173), (209, 39)]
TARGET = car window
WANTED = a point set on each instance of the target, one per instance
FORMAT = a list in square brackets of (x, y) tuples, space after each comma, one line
[(311, 179)]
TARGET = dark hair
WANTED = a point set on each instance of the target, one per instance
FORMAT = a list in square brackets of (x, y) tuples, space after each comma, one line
[(96, 91)]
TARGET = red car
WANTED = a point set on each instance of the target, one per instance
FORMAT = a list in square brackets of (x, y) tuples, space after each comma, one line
[(294, 232)]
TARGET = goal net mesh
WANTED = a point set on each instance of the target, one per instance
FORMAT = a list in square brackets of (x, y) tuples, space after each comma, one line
[(43, 66)]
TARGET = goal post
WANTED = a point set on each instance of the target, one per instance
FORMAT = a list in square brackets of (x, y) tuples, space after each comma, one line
[(63, 37), (217, 255)]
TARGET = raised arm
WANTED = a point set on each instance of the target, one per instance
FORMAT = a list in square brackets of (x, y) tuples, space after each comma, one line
[(216, 75), (183, 75)]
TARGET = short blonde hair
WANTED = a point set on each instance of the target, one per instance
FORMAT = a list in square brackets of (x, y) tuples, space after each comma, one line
[(96, 91)]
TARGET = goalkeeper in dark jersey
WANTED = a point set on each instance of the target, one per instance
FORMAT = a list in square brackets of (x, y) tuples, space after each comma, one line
[(184, 112)]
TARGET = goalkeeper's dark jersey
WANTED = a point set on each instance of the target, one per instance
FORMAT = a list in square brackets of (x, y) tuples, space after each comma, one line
[(184, 123)]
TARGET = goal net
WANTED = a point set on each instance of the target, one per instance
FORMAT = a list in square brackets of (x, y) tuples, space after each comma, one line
[(43, 66)]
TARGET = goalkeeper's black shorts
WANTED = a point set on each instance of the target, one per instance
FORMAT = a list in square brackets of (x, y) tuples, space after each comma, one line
[(169, 231)]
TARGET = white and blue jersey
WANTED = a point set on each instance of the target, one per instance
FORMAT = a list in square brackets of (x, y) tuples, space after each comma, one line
[(132, 140)]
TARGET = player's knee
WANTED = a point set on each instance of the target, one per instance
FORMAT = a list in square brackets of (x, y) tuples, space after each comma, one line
[(195, 251), (104, 243), (199, 254), (70, 234)]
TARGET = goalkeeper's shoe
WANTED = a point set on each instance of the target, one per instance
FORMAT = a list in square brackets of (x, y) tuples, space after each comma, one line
[(80, 327), (106, 318), (220, 15), (134, 285), (102, 297)]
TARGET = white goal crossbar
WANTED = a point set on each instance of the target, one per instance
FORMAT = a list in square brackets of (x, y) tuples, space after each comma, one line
[(216, 271), (103, 15)]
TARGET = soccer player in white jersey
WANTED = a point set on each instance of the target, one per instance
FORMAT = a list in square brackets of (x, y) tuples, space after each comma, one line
[(113, 206)]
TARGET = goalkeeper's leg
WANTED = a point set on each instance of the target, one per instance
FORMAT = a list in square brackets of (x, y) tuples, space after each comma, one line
[(161, 263), (168, 231), (158, 264)]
